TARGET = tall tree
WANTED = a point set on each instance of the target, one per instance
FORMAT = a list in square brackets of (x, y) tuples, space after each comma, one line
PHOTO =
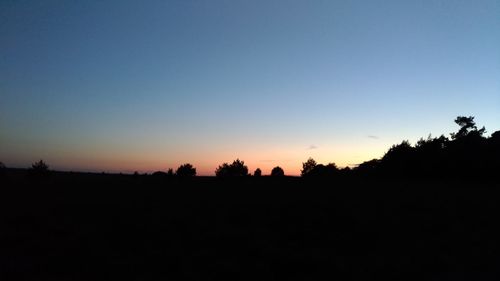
[(308, 167), (467, 126)]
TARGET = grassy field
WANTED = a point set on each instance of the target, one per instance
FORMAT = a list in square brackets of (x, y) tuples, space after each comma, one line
[(72, 226)]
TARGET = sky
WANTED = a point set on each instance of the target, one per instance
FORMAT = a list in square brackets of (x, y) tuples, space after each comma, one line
[(123, 86)]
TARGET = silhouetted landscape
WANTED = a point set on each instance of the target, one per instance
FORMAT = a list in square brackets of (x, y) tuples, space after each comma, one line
[(427, 211), (249, 140)]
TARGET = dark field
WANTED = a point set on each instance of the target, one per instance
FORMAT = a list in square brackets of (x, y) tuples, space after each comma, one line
[(70, 226)]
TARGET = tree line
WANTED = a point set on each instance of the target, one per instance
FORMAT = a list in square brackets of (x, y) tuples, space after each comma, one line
[(467, 153)]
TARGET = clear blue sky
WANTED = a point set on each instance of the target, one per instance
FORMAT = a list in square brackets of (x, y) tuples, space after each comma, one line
[(147, 85)]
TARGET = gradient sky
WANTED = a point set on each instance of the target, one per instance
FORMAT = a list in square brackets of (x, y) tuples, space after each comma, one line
[(121, 86)]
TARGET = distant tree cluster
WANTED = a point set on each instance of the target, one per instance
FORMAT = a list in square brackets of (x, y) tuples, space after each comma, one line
[(235, 169), (467, 154), (312, 169), (183, 171)]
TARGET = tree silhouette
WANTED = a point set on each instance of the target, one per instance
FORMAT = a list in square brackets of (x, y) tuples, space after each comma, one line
[(312, 169), (467, 126), (170, 172), (40, 166), (398, 160), (257, 173), (307, 167), (235, 169), (346, 171), (433, 144), (321, 170), (277, 172), (398, 151), (327, 171), (186, 170), (368, 168), (429, 156), (495, 136)]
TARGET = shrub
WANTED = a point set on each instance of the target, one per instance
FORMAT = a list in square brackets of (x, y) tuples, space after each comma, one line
[(186, 170), (235, 169), (257, 173), (277, 172), (40, 166)]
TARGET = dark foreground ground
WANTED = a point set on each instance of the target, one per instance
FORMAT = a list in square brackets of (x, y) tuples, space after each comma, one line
[(104, 227)]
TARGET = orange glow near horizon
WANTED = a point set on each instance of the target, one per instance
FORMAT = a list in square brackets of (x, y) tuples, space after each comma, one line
[(290, 158)]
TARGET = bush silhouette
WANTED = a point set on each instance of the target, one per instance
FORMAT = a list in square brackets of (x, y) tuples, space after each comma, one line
[(257, 173), (277, 172), (39, 168), (235, 169), (186, 170), (159, 174)]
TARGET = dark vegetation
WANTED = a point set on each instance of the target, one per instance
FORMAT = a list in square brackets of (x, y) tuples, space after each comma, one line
[(235, 169), (257, 173), (277, 172), (185, 170), (39, 169), (311, 169), (423, 212), (468, 154)]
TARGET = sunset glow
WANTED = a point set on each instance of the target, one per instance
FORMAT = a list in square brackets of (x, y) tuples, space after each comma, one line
[(123, 86)]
